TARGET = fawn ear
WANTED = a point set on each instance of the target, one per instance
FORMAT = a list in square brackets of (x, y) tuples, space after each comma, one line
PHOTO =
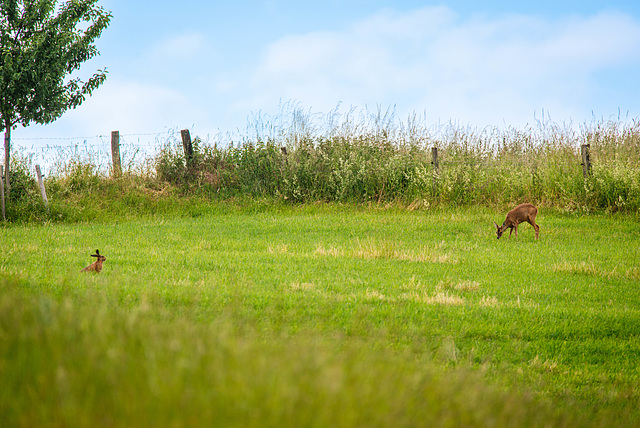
[(497, 227)]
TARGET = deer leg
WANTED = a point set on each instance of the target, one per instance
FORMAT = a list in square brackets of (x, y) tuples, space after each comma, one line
[(532, 222)]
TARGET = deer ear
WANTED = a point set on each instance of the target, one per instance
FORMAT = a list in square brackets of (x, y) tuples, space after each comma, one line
[(496, 224)]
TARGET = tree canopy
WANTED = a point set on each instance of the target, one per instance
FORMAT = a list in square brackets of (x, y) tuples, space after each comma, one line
[(42, 43)]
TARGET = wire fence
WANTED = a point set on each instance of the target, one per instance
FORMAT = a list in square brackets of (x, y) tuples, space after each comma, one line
[(52, 152), (463, 167), (456, 145)]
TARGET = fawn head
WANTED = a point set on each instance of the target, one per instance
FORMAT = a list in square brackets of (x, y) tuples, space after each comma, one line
[(499, 229)]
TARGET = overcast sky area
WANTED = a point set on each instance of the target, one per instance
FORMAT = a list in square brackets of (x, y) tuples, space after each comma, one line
[(209, 66)]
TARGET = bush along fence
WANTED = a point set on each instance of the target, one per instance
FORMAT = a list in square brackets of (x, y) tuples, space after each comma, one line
[(596, 170), (600, 173)]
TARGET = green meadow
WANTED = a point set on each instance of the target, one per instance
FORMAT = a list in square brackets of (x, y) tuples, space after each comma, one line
[(232, 314), (327, 271)]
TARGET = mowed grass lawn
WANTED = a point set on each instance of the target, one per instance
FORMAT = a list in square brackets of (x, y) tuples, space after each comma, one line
[(319, 315)]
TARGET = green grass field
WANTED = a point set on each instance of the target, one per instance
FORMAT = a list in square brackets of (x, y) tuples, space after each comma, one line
[(321, 315)]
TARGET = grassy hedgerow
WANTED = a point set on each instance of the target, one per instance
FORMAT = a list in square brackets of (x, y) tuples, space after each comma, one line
[(302, 158), (384, 160)]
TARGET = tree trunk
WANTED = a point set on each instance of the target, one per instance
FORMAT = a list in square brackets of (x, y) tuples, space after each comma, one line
[(7, 156)]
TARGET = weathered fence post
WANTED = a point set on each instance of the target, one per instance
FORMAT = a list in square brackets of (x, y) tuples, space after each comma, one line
[(434, 158), (434, 161), (42, 190), (7, 157), (115, 153), (586, 160), (4, 216), (188, 147)]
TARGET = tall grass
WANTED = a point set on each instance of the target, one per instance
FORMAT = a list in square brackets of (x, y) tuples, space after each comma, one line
[(377, 158), (359, 157)]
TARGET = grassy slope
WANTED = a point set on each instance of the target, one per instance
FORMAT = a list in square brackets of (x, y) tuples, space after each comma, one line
[(334, 289)]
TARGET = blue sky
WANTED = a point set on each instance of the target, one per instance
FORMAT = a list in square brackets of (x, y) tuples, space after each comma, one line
[(209, 66)]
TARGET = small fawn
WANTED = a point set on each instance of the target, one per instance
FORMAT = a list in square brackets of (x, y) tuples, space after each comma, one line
[(97, 265), (521, 213)]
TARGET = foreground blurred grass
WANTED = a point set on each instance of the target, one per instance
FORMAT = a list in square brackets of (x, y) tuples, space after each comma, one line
[(75, 364), (262, 315)]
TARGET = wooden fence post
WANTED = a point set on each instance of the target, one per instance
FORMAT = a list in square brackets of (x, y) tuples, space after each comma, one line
[(586, 160), (4, 216), (7, 157), (42, 190), (434, 161), (188, 147), (115, 153), (434, 158)]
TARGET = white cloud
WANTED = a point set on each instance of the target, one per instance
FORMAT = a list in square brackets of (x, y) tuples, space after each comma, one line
[(129, 107), (180, 47), (136, 106), (150, 104), (481, 71)]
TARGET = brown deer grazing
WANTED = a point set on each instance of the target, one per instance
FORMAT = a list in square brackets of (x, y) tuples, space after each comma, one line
[(523, 212), (97, 265)]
